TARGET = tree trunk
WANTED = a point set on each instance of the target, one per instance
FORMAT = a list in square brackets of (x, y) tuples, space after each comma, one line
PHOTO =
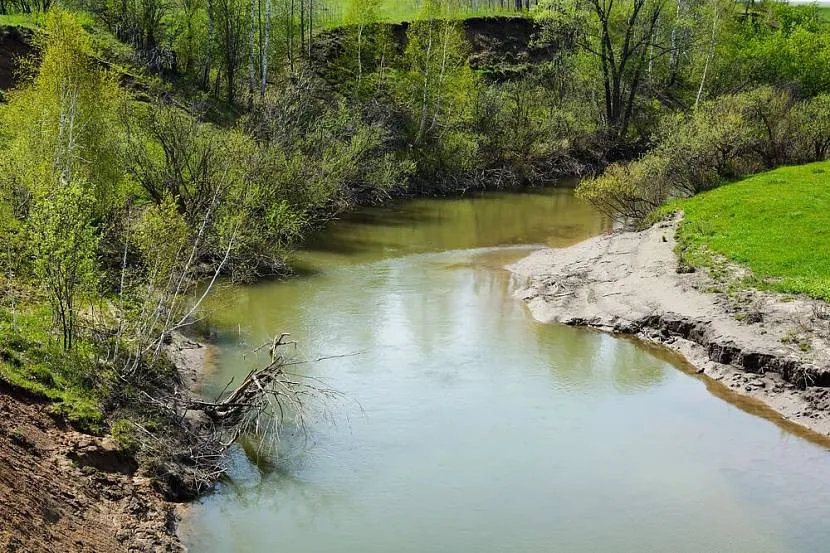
[(422, 123), (359, 58), (673, 59), (252, 55), (302, 25), (290, 37), (709, 54), (209, 60), (266, 49), (310, 24)]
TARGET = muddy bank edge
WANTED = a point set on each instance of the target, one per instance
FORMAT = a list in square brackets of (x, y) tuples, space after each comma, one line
[(772, 348), (63, 490)]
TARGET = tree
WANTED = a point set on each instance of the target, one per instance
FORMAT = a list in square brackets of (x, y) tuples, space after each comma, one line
[(65, 124), (359, 14), (266, 49), (191, 32), (230, 21), (778, 44), (624, 39), (173, 155), (439, 75), (812, 119), (64, 243)]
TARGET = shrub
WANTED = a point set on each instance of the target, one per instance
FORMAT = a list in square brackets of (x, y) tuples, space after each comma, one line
[(812, 121), (723, 139)]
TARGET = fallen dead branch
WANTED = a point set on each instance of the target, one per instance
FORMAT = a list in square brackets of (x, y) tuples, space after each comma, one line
[(268, 399), (191, 455)]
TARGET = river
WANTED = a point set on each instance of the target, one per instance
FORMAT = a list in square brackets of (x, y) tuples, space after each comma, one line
[(468, 427)]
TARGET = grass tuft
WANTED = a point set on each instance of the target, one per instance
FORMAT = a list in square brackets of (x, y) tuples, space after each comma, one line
[(31, 359)]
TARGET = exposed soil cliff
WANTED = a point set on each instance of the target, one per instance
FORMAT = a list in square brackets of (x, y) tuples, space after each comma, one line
[(500, 47), (61, 490), (15, 44)]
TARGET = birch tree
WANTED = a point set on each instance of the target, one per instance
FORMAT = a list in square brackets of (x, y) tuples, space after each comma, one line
[(359, 14), (266, 50)]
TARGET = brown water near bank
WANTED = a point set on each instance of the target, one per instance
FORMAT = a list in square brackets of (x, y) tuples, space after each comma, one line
[(474, 428)]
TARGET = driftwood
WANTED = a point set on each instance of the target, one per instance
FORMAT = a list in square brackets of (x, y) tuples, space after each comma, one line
[(191, 455), (266, 399)]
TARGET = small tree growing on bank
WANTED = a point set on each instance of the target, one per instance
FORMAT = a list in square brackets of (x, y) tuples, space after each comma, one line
[(359, 14), (64, 245)]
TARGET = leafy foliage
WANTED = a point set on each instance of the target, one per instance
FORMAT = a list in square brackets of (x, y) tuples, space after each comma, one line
[(723, 139), (64, 244)]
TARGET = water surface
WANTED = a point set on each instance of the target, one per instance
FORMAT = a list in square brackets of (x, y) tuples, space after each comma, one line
[(471, 428)]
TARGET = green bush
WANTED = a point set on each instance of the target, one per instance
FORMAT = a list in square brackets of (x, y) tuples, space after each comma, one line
[(724, 139)]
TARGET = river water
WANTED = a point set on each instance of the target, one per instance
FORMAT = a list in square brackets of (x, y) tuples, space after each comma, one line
[(468, 427)]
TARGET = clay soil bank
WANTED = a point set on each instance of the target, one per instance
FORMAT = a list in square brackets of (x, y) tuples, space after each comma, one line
[(62, 490), (771, 348)]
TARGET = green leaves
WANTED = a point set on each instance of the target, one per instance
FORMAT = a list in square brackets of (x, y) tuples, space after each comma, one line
[(64, 245), (723, 139), (66, 122)]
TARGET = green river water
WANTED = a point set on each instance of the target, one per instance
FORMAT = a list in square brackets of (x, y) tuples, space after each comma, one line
[(468, 427)]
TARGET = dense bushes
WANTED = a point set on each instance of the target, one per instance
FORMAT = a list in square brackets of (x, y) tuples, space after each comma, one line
[(776, 43), (723, 139), (112, 211)]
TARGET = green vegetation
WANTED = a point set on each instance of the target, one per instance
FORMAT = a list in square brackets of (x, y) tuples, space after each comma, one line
[(776, 223), (27, 20), (727, 138), (31, 360), (781, 50), (152, 147), (341, 12)]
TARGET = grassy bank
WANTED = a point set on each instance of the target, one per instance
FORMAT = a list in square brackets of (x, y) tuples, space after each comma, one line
[(777, 224), (334, 13), (31, 360), (30, 21)]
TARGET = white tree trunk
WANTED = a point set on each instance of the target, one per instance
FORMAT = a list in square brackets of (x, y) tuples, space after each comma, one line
[(710, 54), (252, 56), (266, 49)]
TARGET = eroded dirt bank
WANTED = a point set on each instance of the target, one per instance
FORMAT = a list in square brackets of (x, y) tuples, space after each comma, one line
[(15, 44), (62, 490), (770, 347)]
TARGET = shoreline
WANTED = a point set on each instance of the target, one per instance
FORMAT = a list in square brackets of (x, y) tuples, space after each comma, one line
[(65, 490), (767, 347), (193, 359)]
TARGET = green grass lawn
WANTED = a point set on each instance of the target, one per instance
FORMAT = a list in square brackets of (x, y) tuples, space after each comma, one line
[(19, 20), (776, 223)]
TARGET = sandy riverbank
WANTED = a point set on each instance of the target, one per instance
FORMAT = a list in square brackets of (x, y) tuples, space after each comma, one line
[(769, 347)]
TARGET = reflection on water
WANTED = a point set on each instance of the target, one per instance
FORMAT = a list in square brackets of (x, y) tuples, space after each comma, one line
[(480, 430)]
